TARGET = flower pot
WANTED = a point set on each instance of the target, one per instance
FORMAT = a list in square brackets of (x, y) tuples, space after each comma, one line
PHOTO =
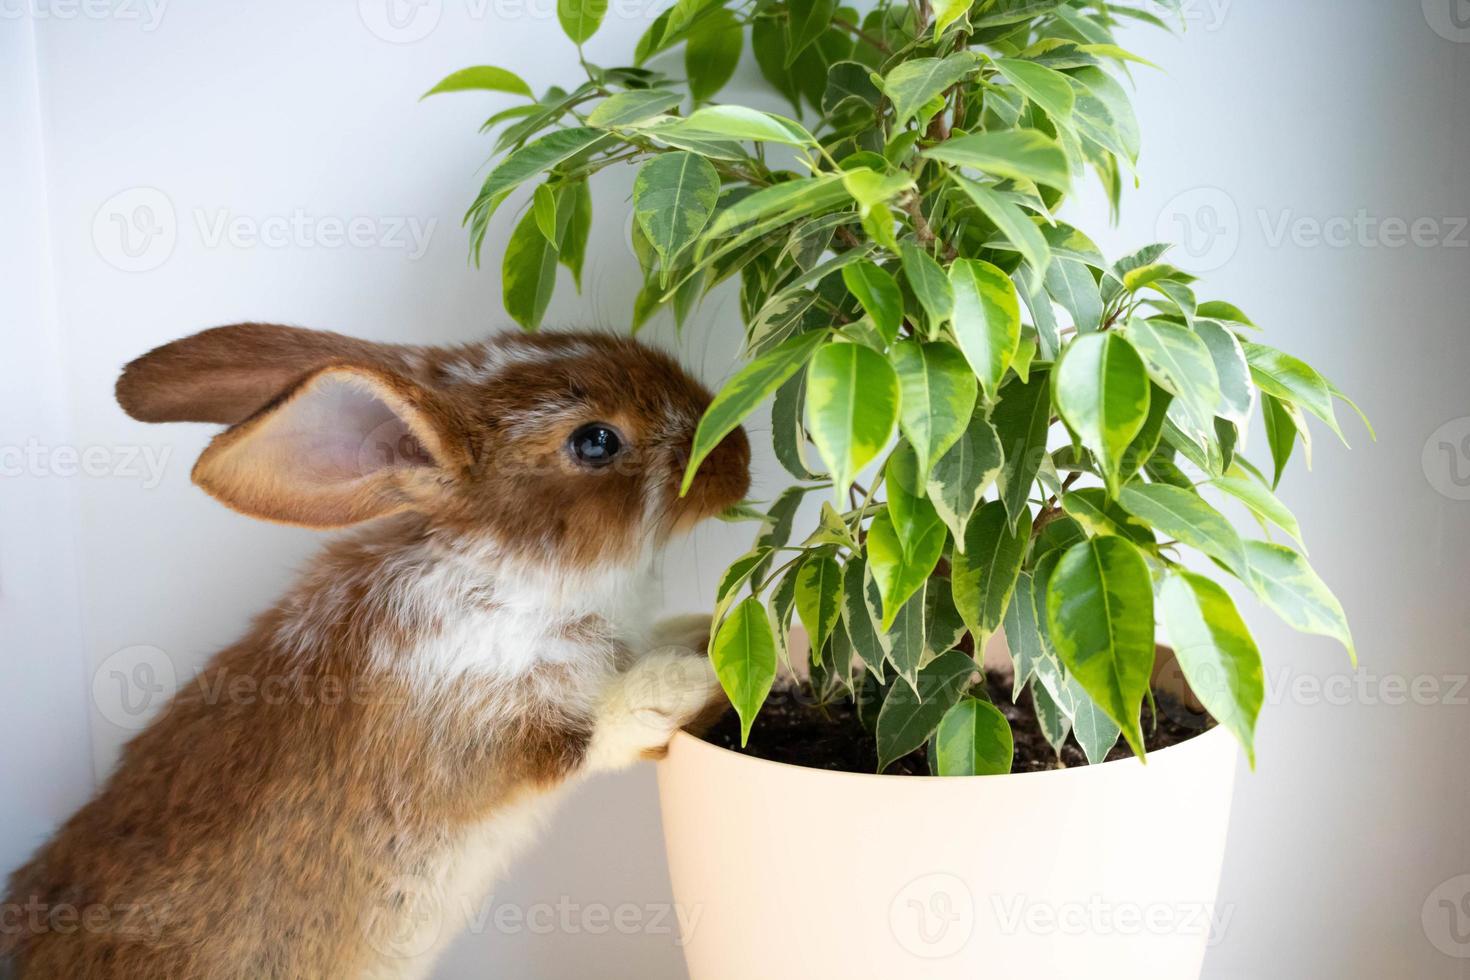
[(1098, 871)]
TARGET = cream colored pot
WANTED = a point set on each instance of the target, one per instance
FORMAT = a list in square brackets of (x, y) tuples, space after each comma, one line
[(1098, 871)]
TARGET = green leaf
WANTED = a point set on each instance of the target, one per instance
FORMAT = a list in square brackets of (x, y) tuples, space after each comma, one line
[(938, 394), (852, 402), (664, 130), (1147, 440), (909, 716), (1091, 84), (788, 434), (744, 656), (914, 83), (1070, 283), (1237, 397), (810, 19), (1067, 242), (759, 212), (1048, 88), (974, 739), (1292, 380), (538, 156), (626, 108), (777, 526), (908, 638), (768, 43), (1098, 514), (878, 223), (1024, 154), (743, 393), (871, 189), (1044, 318), (878, 294), (842, 654), (673, 198), (1023, 635), (1021, 419), (1054, 723), (1100, 619), (1095, 731), (1180, 363), (901, 560), (1362, 415), (831, 529), (1152, 274), (1106, 120), (1180, 296), (987, 319), (946, 12), (858, 606), (1281, 431), (528, 273), (580, 18), (927, 279), (1013, 12), (682, 16), (1286, 583), (1010, 220), (1026, 352), (713, 52), (734, 122), (1102, 393), (984, 574), (483, 78), (1215, 650), (1262, 502), (574, 200), (819, 598), (849, 87), (961, 476), (543, 206), (739, 572), (1184, 515), (945, 626)]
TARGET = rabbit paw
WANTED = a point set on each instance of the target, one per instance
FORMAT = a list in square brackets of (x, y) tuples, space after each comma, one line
[(660, 693)]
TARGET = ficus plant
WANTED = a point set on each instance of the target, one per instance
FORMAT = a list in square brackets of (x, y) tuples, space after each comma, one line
[(1007, 431)]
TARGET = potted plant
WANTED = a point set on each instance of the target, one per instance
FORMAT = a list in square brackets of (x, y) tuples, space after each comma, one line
[(1015, 443)]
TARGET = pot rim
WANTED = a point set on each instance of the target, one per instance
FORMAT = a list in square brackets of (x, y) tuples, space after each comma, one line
[(1204, 740)]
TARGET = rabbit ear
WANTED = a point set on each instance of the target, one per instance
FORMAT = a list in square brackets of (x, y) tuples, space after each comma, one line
[(345, 445), (229, 373)]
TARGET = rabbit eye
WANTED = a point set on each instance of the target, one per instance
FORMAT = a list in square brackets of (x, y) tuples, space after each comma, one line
[(595, 444)]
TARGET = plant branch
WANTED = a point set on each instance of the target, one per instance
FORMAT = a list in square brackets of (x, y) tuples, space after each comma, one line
[(862, 35)]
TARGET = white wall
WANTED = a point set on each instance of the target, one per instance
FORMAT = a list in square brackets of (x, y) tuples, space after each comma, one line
[(45, 770), (197, 111)]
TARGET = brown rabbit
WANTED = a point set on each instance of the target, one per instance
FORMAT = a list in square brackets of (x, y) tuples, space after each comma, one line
[(331, 790)]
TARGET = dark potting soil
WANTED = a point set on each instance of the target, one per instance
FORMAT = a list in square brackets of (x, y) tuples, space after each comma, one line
[(792, 729)]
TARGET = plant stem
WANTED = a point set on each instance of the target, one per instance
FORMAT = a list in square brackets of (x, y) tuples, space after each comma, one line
[(863, 35)]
